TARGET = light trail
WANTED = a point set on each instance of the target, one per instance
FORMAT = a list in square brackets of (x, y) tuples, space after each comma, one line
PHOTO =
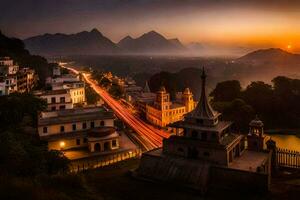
[(148, 133)]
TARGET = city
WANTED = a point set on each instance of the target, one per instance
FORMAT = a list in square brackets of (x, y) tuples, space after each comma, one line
[(133, 112)]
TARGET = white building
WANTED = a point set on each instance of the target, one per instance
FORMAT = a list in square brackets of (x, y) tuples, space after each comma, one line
[(92, 128)]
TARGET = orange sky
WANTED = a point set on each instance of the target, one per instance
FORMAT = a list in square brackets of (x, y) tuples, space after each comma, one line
[(255, 23)]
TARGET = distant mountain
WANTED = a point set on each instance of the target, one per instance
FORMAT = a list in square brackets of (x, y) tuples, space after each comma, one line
[(151, 42), (274, 56), (83, 43)]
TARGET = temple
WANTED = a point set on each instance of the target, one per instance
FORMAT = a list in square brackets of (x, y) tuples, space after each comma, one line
[(208, 154)]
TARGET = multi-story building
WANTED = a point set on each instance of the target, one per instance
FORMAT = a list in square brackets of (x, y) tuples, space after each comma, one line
[(13, 79), (163, 112), (57, 99), (26, 79), (91, 128)]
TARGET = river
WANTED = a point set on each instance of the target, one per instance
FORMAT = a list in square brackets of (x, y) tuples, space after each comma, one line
[(291, 142)]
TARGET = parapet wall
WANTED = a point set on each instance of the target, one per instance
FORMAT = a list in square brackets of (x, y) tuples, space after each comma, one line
[(222, 177)]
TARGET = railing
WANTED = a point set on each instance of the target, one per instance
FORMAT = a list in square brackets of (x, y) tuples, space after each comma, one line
[(85, 164), (288, 158)]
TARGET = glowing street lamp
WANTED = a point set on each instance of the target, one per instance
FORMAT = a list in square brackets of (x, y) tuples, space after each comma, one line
[(62, 144)]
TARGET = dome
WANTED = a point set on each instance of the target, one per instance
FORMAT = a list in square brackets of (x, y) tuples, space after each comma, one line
[(101, 132), (256, 122)]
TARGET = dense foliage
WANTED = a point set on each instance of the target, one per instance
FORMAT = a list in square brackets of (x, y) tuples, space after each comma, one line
[(25, 162), (15, 49), (277, 104)]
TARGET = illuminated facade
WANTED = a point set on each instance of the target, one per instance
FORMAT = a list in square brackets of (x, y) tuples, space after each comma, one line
[(91, 128), (209, 153), (163, 112), (14, 79)]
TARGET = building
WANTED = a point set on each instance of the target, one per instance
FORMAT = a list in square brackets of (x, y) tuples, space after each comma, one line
[(26, 79), (91, 128), (57, 99), (74, 89), (208, 154), (146, 97), (14, 79), (163, 112)]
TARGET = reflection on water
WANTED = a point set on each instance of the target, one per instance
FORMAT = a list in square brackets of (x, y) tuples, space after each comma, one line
[(291, 142)]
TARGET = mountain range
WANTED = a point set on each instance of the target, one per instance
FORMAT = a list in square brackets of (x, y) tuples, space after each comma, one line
[(95, 43), (271, 56)]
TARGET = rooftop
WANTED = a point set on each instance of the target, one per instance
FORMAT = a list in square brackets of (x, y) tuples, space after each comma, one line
[(74, 115), (249, 160), (222, 125), (227, 140), (54, 92)]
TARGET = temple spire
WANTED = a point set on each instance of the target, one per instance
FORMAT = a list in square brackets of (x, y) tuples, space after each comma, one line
[(204, 110), (146, 88)]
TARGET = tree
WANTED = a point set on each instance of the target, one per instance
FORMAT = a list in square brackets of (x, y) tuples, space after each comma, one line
[(260, 96), (227, 91), (14, 107)]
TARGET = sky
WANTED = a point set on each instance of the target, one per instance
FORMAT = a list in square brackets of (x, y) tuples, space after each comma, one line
[(256, 23)]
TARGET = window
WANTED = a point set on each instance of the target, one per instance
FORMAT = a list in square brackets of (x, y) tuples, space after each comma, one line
[(77, 141), (53, 108), (62, 99), (52, 99), (62, 107), (85, 140), (92, 124), (62, 129), (83, 125), (114, 143), (45, 129), (102, 123), (74, 127)]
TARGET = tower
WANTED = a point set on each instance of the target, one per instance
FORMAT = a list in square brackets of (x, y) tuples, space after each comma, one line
[(162, 99), (187, 99), (256, 138)]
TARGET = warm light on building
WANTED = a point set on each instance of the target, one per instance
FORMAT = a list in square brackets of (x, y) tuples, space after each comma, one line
[(62, 144)]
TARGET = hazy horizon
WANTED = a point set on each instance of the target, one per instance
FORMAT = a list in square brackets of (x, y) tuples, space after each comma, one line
[(252, 25)]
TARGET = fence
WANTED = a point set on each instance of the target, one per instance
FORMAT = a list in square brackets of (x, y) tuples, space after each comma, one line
[(98, 162), (288, 158)]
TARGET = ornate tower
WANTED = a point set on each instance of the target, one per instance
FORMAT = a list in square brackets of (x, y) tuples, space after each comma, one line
[(188, 100), (256, 138), (162, 99)]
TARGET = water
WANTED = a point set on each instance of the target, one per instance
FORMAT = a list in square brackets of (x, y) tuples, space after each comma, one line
[(291, 142)]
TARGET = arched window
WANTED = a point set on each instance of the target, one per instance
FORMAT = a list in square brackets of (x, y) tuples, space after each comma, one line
[(102, 123)]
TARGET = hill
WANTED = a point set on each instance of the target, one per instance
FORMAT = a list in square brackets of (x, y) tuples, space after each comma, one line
[(151, 42), (15, 49), (270, 56), (83, 43)]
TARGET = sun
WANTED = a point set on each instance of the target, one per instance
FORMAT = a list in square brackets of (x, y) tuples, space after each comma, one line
[(289, 46)]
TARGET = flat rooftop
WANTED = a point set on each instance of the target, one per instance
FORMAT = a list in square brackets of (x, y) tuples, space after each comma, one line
[(74, 115), (249, 161)]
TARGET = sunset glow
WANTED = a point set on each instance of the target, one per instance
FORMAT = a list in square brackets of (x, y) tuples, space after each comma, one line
[(258, 24)]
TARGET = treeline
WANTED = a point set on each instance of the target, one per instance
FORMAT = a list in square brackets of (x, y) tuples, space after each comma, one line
[(27, 169), (277, 104), (15, 49)]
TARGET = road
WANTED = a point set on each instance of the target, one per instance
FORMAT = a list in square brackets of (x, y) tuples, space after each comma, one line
[(149, 136)]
